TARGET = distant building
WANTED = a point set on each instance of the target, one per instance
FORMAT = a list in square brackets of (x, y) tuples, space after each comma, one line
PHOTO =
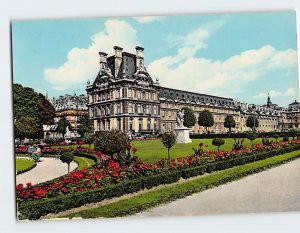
[(72, 107), (124, 96)]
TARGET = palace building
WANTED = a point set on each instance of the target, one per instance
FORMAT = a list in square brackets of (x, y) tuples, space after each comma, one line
[(124, 96)]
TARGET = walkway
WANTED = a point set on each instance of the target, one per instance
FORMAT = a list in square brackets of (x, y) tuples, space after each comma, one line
[(47, 169), (274, 190)]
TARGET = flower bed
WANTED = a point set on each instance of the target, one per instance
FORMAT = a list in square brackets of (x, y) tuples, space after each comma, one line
[(100, 177)]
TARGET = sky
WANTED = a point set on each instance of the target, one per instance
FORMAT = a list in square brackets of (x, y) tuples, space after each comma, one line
[(242, 56)]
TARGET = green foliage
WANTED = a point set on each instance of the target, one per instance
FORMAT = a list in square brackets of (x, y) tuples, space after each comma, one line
[(218, 142), (238, 144), (35, 209), (67, 158), (276, 136), (62, 125), (252, 136), (252, 122), (229, 122), (28, 126), (24, 165), (47, 111), (189, 118), (112, 143), (266, 141), (31, 111), (85, 126), (206, 119), (293, 132), (169, 140)]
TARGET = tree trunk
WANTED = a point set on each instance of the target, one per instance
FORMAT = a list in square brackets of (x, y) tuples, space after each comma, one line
[(206, 129), (169, 159), (68, 168), (218, 148)]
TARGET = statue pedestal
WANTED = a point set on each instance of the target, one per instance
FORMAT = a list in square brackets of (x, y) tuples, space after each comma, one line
[(183, 135)]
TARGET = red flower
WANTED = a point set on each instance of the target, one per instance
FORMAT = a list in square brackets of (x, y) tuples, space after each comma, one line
[(134, 150), (29, 184)]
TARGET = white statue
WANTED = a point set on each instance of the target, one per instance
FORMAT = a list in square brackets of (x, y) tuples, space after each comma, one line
[(180, 118), (68, 132)]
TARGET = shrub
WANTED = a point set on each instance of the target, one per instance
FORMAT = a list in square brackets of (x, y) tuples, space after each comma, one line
[(238, 144), (112, 143), (67, 157), (169, 140), (276, 136), (218, 142)]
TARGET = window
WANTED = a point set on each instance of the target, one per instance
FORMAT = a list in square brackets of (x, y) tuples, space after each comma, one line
[(139, 108), (129, 93), (148, 124), (130, 109), (147, 109), (138, 94), (118, 108), (155, 110)]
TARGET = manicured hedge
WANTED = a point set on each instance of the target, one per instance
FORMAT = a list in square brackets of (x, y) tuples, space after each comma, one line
[(35, 209), (235, 135), (86, 155)]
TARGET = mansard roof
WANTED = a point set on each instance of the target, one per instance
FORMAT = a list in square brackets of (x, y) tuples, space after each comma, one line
[(186, 96)]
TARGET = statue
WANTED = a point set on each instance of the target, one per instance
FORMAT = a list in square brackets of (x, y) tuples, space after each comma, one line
[(68, 132), (180, 118)]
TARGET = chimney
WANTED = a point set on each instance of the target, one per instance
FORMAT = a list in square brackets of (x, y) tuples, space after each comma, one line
[(139, 58), (103, 61), (118, 59)]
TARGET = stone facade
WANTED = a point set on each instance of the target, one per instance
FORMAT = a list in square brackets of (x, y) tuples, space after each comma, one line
[(123, 96), (72, 107)]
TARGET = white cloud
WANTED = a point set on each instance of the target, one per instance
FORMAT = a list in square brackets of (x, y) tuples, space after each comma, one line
[(83, 63), (148, 19), (274, 93), (215, 77)]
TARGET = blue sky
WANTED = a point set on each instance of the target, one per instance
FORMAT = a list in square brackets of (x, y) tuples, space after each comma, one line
[(243, 56)]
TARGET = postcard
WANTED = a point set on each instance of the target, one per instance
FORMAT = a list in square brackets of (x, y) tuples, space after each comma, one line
[(179, 115)]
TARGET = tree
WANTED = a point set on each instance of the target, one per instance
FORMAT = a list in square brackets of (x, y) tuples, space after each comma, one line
[(27, 126), (169, 140), (276, 136), (112, 143), (189, 118), (252, 122), (33, 106), (88, 139), (205, 119), (85, 126), (229, 122), (293, 132), (67, 157), (252, 136), (62, 124), (47, 111), (218, 142)]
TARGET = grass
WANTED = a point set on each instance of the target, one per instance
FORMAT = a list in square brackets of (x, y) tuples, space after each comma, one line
[(83, 162), (165, 194), (24, 164), (151, 151)]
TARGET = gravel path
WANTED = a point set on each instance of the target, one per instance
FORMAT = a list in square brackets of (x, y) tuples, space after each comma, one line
[(274, 190), (47, 169)]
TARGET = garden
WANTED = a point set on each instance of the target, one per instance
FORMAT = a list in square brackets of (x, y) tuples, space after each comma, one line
[(118, 168)]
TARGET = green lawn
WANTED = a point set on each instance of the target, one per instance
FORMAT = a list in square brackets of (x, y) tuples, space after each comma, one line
[(167, 193), (23, 164), (151, 151), (83, 162)]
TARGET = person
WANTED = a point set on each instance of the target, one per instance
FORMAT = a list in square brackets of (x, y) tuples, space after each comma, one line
[(37, 154)]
